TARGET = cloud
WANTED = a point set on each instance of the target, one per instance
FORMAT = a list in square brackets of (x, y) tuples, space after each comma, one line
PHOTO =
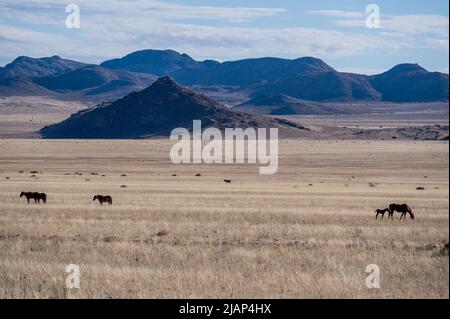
[(407, 25), (338, 13), (95, 43), (49, 9), (111, 28), (403, 24)]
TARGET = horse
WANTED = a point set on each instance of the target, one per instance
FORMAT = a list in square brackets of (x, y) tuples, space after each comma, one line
[(103, 199), (34, 195), (381, 211), (41, 196), (403, 209), (228, 181)]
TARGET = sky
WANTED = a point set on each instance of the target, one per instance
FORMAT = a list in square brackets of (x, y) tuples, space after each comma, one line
[(410, 31)]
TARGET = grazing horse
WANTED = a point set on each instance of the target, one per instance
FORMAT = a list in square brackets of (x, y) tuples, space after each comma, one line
[(403, 209), (381, 211), (228, 181), (34, 195), (41, 196), (103, 199)]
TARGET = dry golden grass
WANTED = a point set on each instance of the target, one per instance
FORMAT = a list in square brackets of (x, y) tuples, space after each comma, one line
[(259, 237)]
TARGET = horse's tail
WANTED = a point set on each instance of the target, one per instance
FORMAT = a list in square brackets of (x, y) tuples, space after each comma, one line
[(44, 198)]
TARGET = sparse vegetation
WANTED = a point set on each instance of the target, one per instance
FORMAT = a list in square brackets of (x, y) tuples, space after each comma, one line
[(267, 236)]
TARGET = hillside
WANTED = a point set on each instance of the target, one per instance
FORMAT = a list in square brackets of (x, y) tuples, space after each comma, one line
[(156, 111), (411, 83), (280, 104), (27, 67)]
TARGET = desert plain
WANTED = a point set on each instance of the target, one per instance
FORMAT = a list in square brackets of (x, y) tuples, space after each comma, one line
[(308, 231)]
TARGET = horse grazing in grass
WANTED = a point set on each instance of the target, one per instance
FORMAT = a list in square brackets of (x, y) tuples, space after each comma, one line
[(103, 199), (34, 195), (403, 209), (228, 181), (381, 212)]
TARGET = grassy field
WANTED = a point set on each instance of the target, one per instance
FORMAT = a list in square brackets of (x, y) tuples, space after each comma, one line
[(308, 231)]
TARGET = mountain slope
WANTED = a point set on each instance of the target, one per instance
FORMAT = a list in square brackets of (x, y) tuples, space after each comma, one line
[(322, 86), (22, 87), (155, 62), (94, 80), (26, 67), (411, 83), (249, 71), (156, 111), (280, 104)]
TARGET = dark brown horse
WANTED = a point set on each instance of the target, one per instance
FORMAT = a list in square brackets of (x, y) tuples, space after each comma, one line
[(403, 209), (34, 195), (381, 212), (228, 181), (103, 199)]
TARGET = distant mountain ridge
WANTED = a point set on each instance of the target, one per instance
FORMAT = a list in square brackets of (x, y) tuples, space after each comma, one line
[(26, 67), (155, 62), (280, 104), (306, 78), (156, 111), (411, 83)]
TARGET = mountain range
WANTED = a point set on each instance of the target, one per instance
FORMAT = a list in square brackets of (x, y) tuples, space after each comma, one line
[(156, 111), (305, 79)]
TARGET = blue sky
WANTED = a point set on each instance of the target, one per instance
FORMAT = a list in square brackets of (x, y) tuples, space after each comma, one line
[(410, 31)]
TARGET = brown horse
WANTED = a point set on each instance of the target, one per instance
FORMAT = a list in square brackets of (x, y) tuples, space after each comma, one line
[(103, 199), (34, 195), (403, 209), (381, 212), (228, 181)]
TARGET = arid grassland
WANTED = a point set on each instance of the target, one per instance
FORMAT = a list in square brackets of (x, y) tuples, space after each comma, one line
[(307, 232)]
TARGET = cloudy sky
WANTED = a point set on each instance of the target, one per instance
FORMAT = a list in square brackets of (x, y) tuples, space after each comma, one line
[(415, 31)]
